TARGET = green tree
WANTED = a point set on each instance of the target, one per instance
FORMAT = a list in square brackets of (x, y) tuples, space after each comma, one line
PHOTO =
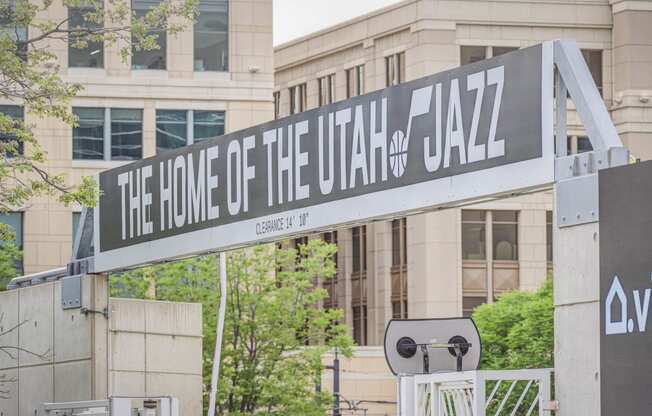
[(275, 333), (30, 76), (10, 255), (517, 330)]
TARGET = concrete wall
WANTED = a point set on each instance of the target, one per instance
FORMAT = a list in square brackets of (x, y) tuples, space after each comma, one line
[(145, 348)]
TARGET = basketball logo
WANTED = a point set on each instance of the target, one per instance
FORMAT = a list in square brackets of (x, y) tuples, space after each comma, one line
[(398, 148)]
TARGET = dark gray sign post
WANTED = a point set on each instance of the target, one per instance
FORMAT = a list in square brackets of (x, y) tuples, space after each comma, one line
[(625, 289)]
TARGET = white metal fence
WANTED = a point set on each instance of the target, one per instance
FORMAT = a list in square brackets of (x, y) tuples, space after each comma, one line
[(476, 393)]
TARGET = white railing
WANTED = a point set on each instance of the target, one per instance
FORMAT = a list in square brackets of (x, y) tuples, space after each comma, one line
[(476, 393)]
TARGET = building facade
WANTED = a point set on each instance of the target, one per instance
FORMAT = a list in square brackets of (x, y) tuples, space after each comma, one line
[(216, 76), (446, 263)]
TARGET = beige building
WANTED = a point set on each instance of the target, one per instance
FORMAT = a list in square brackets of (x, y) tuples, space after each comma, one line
[(212, 78), (445, 263)]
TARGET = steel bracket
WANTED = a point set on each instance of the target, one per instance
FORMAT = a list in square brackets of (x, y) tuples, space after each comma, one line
[(576, 189), (71, 295)]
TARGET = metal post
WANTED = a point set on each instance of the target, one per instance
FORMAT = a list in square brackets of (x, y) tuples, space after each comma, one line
[(336, 386), (218, 339)]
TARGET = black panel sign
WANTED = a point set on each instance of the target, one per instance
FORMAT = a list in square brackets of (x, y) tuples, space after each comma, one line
[(625, 289), (356, 159)]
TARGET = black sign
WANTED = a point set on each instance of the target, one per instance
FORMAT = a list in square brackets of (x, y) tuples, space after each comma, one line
[(365, 157), (625, 289)]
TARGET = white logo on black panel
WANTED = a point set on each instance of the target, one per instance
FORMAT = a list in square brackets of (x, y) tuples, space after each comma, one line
[(618, 297), (398, 146)]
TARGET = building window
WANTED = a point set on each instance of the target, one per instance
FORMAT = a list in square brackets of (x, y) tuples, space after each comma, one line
[(359, 245), (207, 125), (154, 58), (399, 269), (470, 54), (76, 216), (108, 134), (14, 220), (326, 86), (8, 27), (489, 264), (211, 36), (360, 324), (355, 81), (394, 69), (277, 104), (549, 236), (359, 284), (298, 98), (505, 235), (330, 285), (473, 235), (501, 50), (173, 127), (578, 144), (12, 146), (126, 134), (593, 60), (88, 53)]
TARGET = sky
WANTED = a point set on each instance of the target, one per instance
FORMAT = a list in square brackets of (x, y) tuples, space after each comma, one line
[(295, 18)]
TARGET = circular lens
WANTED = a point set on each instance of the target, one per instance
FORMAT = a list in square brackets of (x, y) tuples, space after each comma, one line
[(406, 347), (458, 339)]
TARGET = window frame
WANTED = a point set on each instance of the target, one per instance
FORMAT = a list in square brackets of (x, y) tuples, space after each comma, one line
[(298, 98), (226, 60), (395, 69), (70, 47), (107, 148), (190, 125), (162, 37)]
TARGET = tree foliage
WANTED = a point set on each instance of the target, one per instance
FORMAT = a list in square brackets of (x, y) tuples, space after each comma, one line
[(31, 76), (517, 330), (275, 332)]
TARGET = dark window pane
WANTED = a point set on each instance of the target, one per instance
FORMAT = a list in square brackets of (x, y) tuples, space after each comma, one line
[(505, 216), (8, 28), (583, 144), (76, 216), (15, 221), (473, 241), (501, 50), (208, 125), (12, 145), (92, 54), (126, 134), (171, 129), (358, 235), (473, 215), (470, 54), (505, 241), (469, 303), (593, 60), (155, 58), (88, 136), (211, 36)]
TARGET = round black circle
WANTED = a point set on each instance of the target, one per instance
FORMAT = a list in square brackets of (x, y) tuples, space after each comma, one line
[(406, 347), (458, 339)]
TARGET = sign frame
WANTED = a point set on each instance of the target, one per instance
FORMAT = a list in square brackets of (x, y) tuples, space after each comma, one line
[(442, 192)]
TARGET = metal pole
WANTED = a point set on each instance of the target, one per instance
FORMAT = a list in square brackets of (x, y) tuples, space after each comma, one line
[(218, 339), (336, 385)]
